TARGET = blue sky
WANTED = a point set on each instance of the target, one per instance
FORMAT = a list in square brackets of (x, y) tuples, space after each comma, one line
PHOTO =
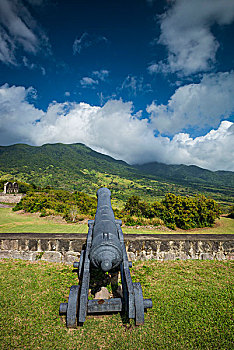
[(139, 80)]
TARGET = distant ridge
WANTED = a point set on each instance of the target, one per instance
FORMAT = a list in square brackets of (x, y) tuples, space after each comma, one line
[(187, 174)]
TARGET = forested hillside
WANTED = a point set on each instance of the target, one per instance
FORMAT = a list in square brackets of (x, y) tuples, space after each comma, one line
[(188, 174), (77, 167)]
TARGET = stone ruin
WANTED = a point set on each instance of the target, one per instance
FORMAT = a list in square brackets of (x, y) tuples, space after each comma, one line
[(11, 188)]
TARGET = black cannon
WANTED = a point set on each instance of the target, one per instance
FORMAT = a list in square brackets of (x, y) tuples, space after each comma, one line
[(105, 251)]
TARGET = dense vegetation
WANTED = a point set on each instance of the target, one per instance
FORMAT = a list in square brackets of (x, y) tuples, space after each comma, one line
[(173, 211), (72, 206), (78, 168), (231, 212), (188, 174)]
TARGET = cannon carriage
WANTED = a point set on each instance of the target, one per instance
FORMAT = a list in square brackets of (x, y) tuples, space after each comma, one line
[(105, 250)]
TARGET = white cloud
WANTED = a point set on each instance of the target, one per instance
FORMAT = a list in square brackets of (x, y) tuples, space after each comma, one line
[(18, 29), (112, 129), (43, 71), (87, 82), (101, 74), (186, 32), (32, 66), (28, 64), (196, 105), (133, 85), (86, 40), (17, 115), (213, 151), (67, 93)]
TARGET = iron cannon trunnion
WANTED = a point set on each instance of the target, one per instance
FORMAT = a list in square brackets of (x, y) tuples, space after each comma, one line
[(105, 251)]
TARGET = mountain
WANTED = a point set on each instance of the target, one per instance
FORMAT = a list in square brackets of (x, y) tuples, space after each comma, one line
[(77, 167), (62, 156), (190, 174)]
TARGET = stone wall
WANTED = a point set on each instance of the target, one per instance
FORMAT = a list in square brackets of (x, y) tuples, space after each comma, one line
[(66, 248), (11, 198)]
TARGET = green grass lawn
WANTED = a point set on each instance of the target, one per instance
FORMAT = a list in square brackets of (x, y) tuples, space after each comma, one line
[(13, 222), (192, 308)]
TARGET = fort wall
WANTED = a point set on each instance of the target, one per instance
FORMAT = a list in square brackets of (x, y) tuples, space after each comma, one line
[(66, 248)]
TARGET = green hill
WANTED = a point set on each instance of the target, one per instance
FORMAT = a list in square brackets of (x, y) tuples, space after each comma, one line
[(190, 174), (77, 167)]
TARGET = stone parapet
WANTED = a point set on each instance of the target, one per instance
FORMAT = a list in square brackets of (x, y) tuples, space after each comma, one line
[(66, 248)]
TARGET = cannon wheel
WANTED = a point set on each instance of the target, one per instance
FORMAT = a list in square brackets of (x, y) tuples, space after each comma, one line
[(72, 307), (139, 304)]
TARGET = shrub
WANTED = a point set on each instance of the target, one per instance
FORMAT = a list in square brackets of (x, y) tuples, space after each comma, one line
[(141, 221), (231, 212), (135, 206), (132, 221), (187, 212), (72, 206), (174, 211), (156, 222)]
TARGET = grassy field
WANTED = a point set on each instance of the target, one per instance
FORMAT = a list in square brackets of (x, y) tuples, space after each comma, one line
[(192, 308), (13, 222)]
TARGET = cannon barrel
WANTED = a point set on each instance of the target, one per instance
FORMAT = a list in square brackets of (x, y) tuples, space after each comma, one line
[(105, 252)]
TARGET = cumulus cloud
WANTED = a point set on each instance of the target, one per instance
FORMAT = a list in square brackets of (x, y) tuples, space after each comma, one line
[(86, 40), (186, 32), (17, 115), (87, 82), (196, 105), (18, 29), (213, 151), (112, 129)]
